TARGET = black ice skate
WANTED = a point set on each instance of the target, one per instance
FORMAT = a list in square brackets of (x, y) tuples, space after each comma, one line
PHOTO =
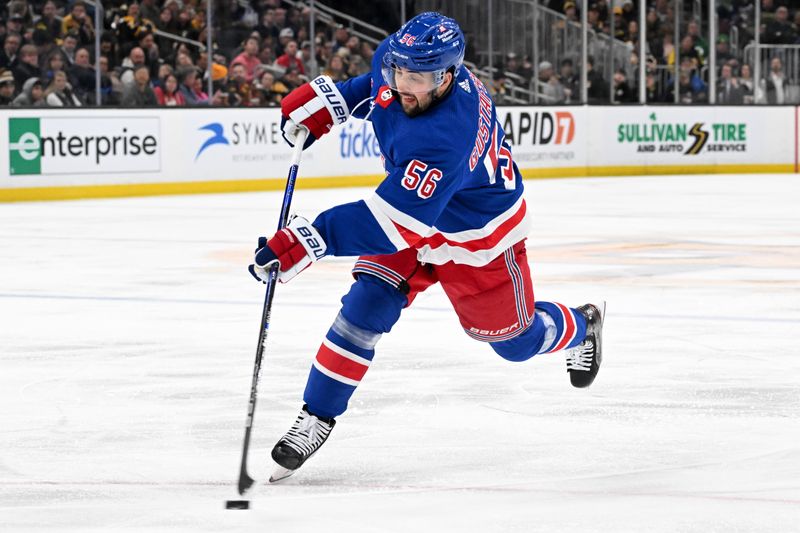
[(307, 434), (583, 361)]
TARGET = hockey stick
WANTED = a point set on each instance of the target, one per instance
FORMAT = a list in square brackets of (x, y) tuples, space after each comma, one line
[(245, 481)]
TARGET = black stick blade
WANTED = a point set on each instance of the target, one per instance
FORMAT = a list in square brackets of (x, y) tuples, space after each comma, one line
[(237, 504)]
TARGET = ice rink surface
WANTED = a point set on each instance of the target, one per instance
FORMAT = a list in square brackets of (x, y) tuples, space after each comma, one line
[(129, 328)]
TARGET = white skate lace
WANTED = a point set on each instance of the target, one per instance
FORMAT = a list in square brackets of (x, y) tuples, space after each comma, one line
[(307, 434), (580, 357)]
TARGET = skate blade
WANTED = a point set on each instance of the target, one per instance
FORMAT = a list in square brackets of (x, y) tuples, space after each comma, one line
[(280, 473)]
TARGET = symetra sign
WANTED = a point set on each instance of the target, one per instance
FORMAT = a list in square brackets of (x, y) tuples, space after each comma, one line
[(83, 145)]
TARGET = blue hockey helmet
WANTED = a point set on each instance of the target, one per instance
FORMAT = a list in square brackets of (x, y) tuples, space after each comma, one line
[(429, 42)]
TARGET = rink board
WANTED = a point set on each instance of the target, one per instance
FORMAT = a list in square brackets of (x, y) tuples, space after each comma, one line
[(66, 154)]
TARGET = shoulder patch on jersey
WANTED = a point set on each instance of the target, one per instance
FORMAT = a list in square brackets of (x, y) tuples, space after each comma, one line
[(465, 85), (385, 96)]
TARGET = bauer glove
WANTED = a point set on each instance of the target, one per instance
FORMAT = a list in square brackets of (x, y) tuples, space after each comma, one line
[(317, 105), (294, 248)]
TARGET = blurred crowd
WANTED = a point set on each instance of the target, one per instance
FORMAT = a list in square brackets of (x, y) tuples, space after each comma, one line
[(779, 25), (261, 52), (153, 53)]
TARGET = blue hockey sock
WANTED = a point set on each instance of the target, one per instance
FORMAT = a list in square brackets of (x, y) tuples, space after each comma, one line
[(370, 309)]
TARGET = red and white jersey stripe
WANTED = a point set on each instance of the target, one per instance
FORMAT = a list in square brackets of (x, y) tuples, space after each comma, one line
[(474, 247)]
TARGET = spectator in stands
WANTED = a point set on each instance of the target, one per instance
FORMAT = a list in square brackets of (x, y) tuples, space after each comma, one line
[(596, 85), (108, 48), (139, 93), (266, 55), (59, 93), (653, 93), (249, 58), (357, 66), (110, 86), (512, 63), (28, 64), (19, 10), (689, 50), (498, 88), (569, 80), (167, 94), (78, 23), (166, 23), (263, 93), (68, 46), (623, 94), (50, 22), (620, 28), (747, 84), (699, 88), (7, 87), (289, 58), (164, 70), (152, 56), (632, 35), (353, 45), (335, 68), (340, 36), (291, 79), (149, 10), (691, 89), (593, 18), (653, 25), (183, 59), (199, 91), (367, 52), (14, 24), (8, 56), (81, 75), (135, 59), (242, 87), (306, 59), (186, 77), (549, 86), (780, 30), (54, 63), (723, 50), (570, 11), (286, 35), (699, 42), (267, 27), (133, 25), (773, 87), (729, 92), (629, 11), (32, 94)]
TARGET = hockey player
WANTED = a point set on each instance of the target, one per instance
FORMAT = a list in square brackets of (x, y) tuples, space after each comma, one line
[(450, 211)]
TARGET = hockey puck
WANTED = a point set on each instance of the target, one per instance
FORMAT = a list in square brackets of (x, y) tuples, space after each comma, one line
[(237, 504)]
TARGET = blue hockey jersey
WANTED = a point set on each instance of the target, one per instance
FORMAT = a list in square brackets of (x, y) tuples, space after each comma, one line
[(452, 190)]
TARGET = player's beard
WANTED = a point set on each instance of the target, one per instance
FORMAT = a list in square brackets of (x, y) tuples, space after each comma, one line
[(418, 106)]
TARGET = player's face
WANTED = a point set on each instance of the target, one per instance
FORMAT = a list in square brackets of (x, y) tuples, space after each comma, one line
[(417, 90)]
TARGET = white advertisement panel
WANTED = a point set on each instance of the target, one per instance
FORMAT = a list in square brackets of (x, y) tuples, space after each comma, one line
[(247, 144), (545, 137), (42, 148), (193, 150), (692, 136)]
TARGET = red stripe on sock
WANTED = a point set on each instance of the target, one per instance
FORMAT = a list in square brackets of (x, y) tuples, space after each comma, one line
[(340, 365)]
